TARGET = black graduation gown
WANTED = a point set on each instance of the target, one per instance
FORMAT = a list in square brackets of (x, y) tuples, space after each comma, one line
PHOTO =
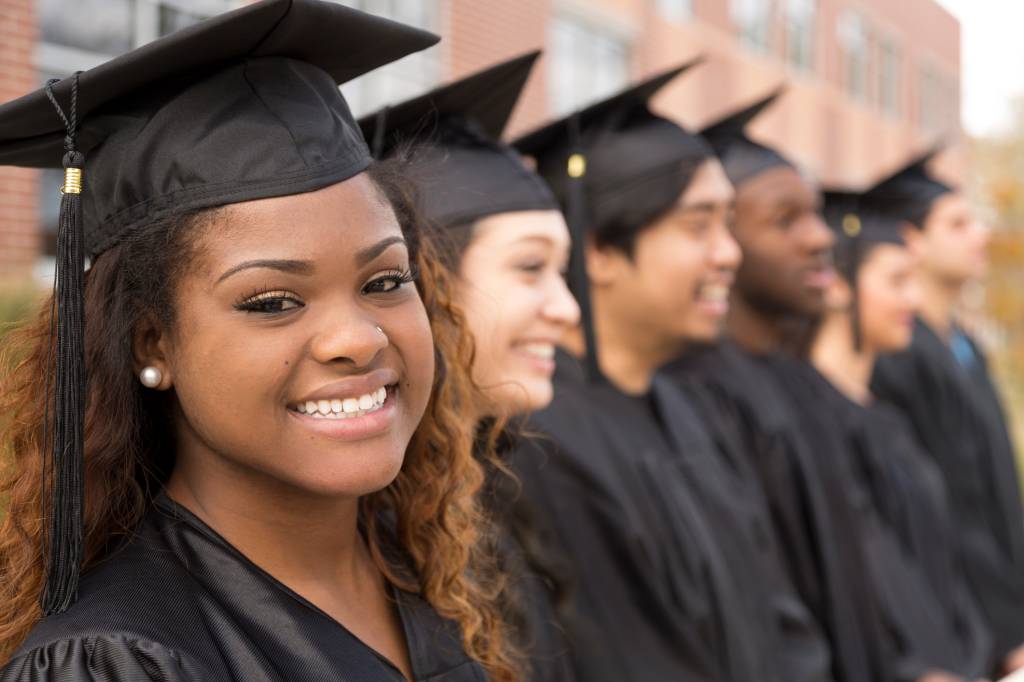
[(812, 518), (932, 618), (654, 599), (536, 584), (178, 603), (957, 417), (739, 510)]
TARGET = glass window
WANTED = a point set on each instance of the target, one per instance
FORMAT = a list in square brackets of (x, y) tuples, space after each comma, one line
[(587, 64), (676, 10), (937, 107), (890, 80), (801, 22), (853, 38), (408, 77), (103, 26), (753, 22)]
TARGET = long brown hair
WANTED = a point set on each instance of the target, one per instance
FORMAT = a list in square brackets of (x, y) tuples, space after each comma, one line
[(439, 526)]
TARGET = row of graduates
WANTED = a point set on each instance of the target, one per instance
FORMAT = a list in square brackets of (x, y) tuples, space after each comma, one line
[(304, 460)]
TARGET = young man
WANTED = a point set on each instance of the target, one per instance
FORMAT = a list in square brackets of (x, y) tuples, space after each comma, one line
[(677, 573), (780, 284), (943, 386)]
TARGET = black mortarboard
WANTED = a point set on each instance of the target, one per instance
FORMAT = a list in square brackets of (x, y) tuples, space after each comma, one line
[(909, 192), (240, 107), (609, 163), (463, 169), (858, 225), (742, 157)]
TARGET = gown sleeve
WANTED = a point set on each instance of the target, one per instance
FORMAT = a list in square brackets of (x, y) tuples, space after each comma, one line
[(102, 658)]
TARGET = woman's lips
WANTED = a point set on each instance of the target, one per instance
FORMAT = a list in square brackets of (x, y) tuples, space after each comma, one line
[(539, 354), (361, 425)]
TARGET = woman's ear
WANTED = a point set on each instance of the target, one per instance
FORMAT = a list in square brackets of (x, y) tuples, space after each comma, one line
[(149, 352), (913, 238), (604, 263), (839, 295)]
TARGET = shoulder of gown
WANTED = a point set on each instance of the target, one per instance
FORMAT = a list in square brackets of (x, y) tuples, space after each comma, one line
[(134, 619), (107, 657)]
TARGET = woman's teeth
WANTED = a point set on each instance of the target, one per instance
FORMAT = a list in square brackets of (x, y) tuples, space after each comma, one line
[(545, 351), (346, 408), (713, 293)]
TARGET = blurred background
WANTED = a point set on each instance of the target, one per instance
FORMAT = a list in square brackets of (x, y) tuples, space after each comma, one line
[(868, 83)]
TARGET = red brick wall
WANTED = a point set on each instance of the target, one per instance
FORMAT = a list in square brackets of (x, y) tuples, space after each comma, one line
[(19, 240)]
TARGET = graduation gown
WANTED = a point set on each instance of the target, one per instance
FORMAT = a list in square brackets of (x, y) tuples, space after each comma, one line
[(957, 416), (932, 618), (654, 597), (178, 603), (812, 518), (739, 510)]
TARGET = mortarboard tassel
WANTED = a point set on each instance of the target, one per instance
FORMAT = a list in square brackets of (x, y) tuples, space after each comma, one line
[(63, 550), (852, 230), (575, 214)]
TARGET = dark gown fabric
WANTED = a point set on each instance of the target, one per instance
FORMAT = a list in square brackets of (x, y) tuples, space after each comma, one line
[(739, 511), (813, 521), (179, 603), (538, 585), (957, 417), (932, 620), (654, 596)]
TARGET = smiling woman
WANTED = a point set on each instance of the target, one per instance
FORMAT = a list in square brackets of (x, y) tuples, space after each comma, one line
[(264, 401)]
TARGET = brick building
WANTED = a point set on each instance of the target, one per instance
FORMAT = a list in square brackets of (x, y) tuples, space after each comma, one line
[(869, 80)]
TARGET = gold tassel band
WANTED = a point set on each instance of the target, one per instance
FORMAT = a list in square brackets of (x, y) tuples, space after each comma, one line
[(72, 181), (577, 166)]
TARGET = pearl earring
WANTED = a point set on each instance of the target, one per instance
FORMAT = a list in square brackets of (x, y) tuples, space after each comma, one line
[(151, 377)]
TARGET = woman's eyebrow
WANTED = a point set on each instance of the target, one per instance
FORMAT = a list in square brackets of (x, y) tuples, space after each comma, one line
[(297, 267), (366, 255)]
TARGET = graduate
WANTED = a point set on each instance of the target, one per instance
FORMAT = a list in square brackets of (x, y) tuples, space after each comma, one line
[(781, 281), (500, 230), (943, 386), (910, 537), (675, 572), (235, 448)]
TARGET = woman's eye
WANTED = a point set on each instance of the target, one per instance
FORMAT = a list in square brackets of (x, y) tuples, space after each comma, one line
[(532, 267), (389, 282), (270, 303)]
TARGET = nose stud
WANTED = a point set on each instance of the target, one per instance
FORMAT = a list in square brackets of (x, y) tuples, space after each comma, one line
[(382, 333)]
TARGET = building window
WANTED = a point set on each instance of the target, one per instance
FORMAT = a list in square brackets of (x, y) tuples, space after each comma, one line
[(676, 10), (890, 68), (588, 63), (753, 22), (408, 77), (937, 108), (801, 21), (853, 38)]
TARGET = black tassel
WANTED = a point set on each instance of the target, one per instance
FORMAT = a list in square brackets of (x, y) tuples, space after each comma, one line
[(65, 499), (576, 217)]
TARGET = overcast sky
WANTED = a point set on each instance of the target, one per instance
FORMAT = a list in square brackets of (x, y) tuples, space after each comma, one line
[(992, 32)]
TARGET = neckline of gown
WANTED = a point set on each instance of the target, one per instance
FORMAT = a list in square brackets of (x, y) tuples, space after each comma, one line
[(163, 503)]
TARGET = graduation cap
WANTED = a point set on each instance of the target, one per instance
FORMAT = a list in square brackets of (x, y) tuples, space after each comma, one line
[(463, 169), (742, 157), (909, 192), (242, 106), (858, 225), (609, 161)]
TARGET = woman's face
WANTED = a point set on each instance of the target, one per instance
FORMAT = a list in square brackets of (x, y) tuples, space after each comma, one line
[(302, 355), (513, 292), (953, 246), (888, 298)]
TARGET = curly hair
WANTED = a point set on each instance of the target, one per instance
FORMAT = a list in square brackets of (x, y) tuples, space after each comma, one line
[(431, 510)]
